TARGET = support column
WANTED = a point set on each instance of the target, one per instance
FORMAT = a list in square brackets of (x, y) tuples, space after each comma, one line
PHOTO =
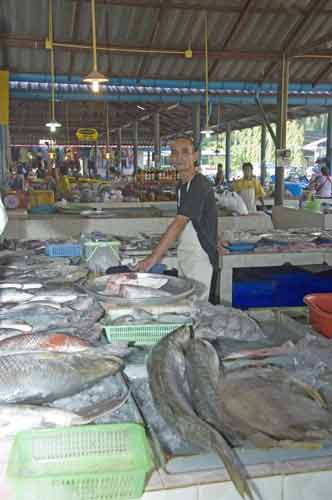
[(135, 146), (149, 156), (118, 151), (196, 119), (4, 120), (263, 154), (156, 128), (329, 140), (282, 104), (228, 153)]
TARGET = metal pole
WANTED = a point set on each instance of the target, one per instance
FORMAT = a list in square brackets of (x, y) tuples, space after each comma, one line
[(263, 154), (135, 146), (156, 121), (329, 140), (119, 150), (3, 152), (282, 104), (228, 153), (196, 119)]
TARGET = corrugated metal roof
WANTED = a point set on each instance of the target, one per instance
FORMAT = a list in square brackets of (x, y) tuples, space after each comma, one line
[(269, 26), (266, 28)]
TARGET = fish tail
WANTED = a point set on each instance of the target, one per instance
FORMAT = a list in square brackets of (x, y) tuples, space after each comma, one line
[(234, 467)]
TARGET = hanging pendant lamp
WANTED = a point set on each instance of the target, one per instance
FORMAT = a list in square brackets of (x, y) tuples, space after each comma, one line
[(53, 124), (94, 77), (207, 131)]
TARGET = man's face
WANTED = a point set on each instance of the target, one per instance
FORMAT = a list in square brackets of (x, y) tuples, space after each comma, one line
[(183, 158), (247, 172)]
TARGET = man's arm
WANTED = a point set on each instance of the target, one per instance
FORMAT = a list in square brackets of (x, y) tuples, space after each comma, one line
[(172, 232)]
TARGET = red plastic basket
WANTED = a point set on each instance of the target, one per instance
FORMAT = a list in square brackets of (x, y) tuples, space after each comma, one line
[(320, 312)]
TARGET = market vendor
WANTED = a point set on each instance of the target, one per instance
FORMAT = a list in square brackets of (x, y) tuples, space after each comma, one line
[(195, 223), (249, 188), (322, 184), (220, 177)]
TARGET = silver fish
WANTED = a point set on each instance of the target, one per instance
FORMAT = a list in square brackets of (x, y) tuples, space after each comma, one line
[(140, 292), (6, 333), (9, 295), (17, 418), (166, 369), (15, 325), (40, 377), (56, 342)]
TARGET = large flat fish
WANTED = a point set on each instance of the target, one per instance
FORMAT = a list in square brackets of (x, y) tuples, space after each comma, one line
[(171, 395), (40, 377)]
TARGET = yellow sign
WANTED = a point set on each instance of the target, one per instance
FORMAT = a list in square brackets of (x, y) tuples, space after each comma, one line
[(87, 134), (4, 97)]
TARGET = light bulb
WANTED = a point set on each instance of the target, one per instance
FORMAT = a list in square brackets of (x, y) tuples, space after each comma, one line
[(53, 128), (95, 86)]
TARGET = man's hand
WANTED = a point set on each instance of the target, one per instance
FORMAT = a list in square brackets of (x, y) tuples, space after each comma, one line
[(145, 265)]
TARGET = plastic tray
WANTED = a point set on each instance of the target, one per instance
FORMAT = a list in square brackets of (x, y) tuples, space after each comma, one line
[(241, 247), (96, 462), (320, 312), (63, 250), (140, 334)]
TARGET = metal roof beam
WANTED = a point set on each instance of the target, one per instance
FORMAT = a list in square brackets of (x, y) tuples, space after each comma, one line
[(313, 44), (199, 6), (235, 30), (20, 41), (315, 6)]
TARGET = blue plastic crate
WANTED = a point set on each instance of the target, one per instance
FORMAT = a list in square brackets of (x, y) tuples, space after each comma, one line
[(63, 250)]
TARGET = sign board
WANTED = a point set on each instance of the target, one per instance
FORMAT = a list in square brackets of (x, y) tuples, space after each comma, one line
[(87, 134)]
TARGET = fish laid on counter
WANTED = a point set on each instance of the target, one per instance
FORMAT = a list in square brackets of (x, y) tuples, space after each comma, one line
[(17, 418), (40, 377), (288, 410), (171, 395), (12, 295), (14, 325), (43, 341), (140, 292)]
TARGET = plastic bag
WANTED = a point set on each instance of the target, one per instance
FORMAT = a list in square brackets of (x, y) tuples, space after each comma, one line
[(3, 217), (233, 202)]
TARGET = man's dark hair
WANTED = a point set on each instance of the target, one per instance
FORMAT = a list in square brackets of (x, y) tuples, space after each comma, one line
[(247, 164)]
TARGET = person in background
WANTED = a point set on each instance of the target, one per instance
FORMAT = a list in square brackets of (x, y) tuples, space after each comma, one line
[(249, 188), (195, 223), (323, 184), (220, 177)]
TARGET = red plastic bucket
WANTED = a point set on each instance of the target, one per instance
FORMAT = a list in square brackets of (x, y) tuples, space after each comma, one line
[(320, 312)]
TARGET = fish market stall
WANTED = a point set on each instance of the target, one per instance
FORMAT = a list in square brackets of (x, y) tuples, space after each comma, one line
[(294, 247), (286, 218), (118, 220), (78, 349)]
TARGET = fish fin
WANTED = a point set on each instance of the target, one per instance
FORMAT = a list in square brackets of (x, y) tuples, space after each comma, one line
[(307, 445), (311, 392), (233, 465), (90, 413)]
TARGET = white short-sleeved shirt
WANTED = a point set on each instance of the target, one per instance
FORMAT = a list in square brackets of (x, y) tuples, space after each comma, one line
[(324, 186)]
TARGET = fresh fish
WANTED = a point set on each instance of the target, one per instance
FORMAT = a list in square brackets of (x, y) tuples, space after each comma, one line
[(57, 298), (15, 325), (140, 292), (203, 373), (21, 286), (267, 406), (41, 341), (41, 377), (6, 333), (171, 395), (9, 295), (17, 418)]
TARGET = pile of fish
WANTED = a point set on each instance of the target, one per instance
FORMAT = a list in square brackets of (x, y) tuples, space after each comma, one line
[(218, 409)]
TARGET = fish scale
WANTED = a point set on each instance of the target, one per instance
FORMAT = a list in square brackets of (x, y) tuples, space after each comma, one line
[(42, 377)]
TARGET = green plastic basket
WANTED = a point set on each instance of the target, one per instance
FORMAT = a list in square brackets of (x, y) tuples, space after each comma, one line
[(140, 334), (94, 462)]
